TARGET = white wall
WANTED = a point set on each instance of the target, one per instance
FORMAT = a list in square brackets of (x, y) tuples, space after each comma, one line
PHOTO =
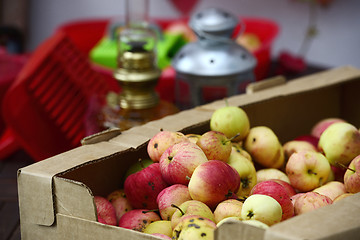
[(337, 43)]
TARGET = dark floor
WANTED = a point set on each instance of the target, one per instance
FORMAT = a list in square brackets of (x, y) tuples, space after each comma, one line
[(9, 208)]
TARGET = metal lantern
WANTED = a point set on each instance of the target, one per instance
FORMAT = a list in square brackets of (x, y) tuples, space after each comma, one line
[(215, 60)]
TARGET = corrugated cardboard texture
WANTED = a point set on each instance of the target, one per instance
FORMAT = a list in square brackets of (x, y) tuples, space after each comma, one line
[(72, 228), (35, 182), (334, 222), (65, 184)]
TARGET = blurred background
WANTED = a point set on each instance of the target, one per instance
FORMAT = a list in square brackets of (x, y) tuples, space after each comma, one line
[(309, 36), (335, 44)]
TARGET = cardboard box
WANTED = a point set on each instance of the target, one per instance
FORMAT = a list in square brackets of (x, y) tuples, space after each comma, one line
[(56, 195)]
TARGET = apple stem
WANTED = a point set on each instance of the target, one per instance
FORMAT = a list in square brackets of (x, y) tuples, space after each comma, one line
[(226, 102), (187, 177), (232, 138), (250, 215), (153, 210), (241, 199), (141, 163), (345, 167), (229, 194), (182, 212)]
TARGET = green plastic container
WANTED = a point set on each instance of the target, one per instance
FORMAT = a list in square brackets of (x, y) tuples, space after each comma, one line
[(105, 51)]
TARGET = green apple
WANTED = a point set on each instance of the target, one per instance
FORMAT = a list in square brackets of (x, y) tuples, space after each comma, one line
[(238, 148), (264, 147), (193, 137), (191, 207), (256, 223), (139, 165), (271, 173), (323, 124), (194, 227), (262, 208), (228, 220), (246, 171), (342, 196), (230, 120), (161, 226), (340, 143)]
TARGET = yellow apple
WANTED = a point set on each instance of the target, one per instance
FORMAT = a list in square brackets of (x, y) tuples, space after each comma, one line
[(264, 147)]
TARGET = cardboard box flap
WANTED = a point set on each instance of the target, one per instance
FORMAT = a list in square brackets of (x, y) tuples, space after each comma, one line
[(334, 222), (264, 84), (76, 228), (38, 178), (37, 208), (181, 121), (103, 136), (234, 229), (74, 198)]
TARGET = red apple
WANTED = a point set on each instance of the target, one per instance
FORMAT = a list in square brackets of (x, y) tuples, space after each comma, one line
[(138, 219), (142, 187), (179, 161), (338, 173), (227, 208), (215, 145), (290, 189), (331, 189), (323, 124), (352, 176), (161, 141), (310, 201), (214, 181), (105, 211), (174, 194), (139, 165), (296, 145), (307, 170), (308, 138), (295, 197), (120, 202), (279, 193), (163, 236)]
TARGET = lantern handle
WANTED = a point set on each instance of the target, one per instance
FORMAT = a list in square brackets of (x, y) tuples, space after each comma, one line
[(220, 38)]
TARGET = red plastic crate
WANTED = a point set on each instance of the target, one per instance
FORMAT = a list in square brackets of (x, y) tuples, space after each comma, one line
[(86, 33)]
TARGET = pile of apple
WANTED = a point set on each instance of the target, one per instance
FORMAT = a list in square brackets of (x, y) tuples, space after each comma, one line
[(193, 183)]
